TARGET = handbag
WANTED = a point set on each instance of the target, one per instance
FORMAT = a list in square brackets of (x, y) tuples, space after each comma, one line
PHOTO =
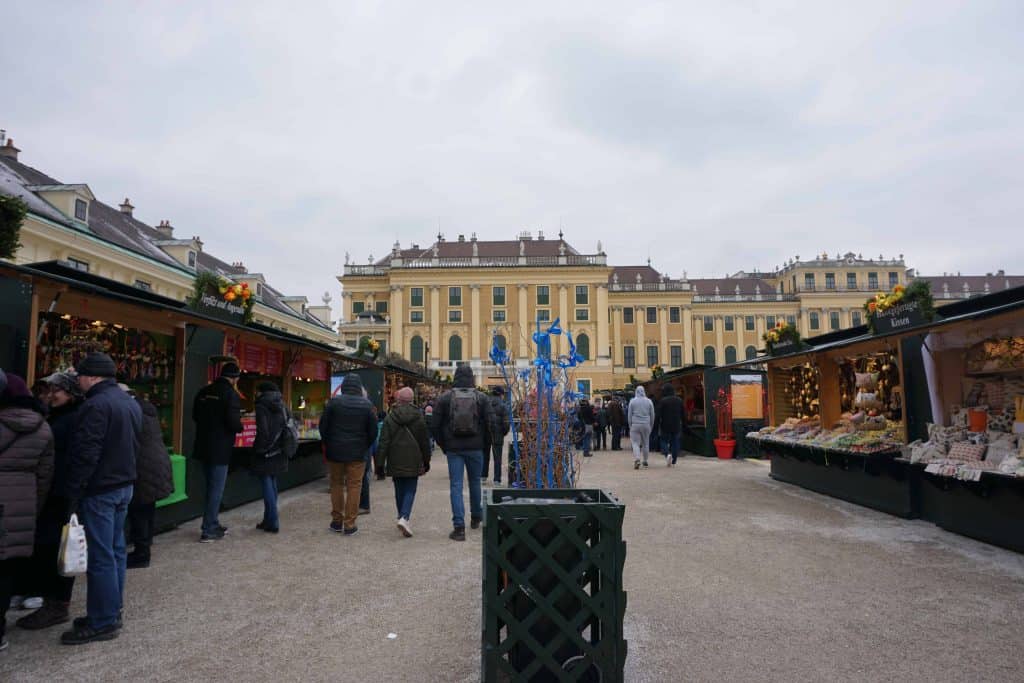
[(73, 558)]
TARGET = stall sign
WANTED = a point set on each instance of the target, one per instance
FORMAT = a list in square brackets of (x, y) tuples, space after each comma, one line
[(253, 357), (747, 400), (246, 437), (216, 307), (783, 347), (903, 315), (314, 369), (274, 363)]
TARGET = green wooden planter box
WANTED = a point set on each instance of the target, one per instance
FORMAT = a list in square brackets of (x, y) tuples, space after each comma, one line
[(553, 603), (178, 470)]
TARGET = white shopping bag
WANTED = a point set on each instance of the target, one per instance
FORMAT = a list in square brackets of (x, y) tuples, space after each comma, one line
[(73, 558)]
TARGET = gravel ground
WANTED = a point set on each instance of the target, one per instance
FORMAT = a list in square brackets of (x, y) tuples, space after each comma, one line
[(730, 576)]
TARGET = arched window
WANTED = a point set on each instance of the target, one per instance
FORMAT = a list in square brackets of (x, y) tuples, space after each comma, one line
[(730, 354), (416, 349), (583, 346), (709, 356), (751, 353), (499, 339), (455, 347)]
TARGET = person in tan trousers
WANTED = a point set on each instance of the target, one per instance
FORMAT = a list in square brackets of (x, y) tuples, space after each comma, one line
[(348, 427)]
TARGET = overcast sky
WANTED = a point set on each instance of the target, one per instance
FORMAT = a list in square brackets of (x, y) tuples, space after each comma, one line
[(711, 137)]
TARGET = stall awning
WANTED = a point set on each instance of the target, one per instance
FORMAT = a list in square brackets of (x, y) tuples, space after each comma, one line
[(100, 286)]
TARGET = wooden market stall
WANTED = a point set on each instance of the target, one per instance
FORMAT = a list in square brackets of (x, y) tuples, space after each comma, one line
[(53, 314)]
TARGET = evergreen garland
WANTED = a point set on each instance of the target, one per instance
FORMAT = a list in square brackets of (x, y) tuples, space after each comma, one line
[(12, 213)]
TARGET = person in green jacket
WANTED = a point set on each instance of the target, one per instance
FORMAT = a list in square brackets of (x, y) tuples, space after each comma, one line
[(403, 453)]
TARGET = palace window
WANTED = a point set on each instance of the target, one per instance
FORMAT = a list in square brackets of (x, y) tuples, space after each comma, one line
[(498, 315), (381, 307), (851, 281), (709, 323), (652, 315), (415, 316), (627, 315), (673, 314), (455, 347), (675, 354), (583, 346), (358, 307), (416, 297), (709, 356), (809, 282), (815, 321), (872, 280), (830, 280), (748, 323), (455, 296), (730, 354), (730, 324), (751, 353), (543, 315), (769, 321), (582, 314), (833, 320), (81, 209), (416, 349), (629, 356), (652, 356), (894, 279), (582, 295), (791, 320), (498, 296), (856, 319), (191, 259), (455, 316), (543, 295)]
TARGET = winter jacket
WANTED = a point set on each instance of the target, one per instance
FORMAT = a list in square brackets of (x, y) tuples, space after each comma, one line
[(348, 426), (217, 413), (404, 444), (271, 415), (105, 443), (641, 410), (499, 417), (616, 418), (443, 433), (26, 468), (62, 424), (154, 480), (671, 415), (602, 418), (586, 414)]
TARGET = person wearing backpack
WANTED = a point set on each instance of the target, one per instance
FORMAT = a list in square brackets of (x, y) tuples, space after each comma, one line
[(462, 421), (403, 453), (154, 481), (499, 427), (269, 453)]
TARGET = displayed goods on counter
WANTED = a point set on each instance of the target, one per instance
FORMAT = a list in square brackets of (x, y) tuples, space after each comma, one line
[(853, 434)]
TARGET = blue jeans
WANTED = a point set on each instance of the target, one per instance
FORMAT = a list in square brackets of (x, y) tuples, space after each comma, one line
[(405, 494), (670, 444), (588, 435), (472, 462), (269, 485), (216, 477), (103, 517)]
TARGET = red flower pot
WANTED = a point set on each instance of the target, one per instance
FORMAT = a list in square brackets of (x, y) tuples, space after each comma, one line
[(725, 448)]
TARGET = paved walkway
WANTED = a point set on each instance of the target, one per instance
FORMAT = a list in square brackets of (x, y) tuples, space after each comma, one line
[(731, 577)]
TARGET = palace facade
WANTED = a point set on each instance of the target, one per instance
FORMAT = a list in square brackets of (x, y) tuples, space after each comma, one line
[(442, 304)]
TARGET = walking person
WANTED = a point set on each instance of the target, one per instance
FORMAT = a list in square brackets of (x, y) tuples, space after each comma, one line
[(616, 420), (269, 460), (461, 420), (348, 427), (641, 419), (403, 453), (217, 413), (499, 427), (63, 397), (154, 481), (601, 426), (585, 414), (671, 417), (104, 450), (26, 469)]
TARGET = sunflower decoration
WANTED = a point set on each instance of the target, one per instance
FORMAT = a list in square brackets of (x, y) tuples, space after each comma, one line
[(919, 291), (368, 347), (782, 333)]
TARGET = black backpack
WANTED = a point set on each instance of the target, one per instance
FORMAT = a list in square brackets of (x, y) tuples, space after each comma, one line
[(465, 412), (287, 441)]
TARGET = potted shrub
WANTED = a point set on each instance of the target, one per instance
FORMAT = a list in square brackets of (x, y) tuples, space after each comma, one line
[(725, 444)]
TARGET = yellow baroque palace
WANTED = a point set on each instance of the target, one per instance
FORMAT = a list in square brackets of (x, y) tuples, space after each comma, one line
[(440, 305)]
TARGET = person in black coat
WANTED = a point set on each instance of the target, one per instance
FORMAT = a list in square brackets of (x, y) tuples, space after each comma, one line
[(671, 418), (217, 413), (268, 458), (154, 482), (616, 420), (104, 448), (63, 397), (348, 427)]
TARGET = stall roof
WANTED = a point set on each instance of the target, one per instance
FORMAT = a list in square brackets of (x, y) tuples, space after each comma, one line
[(986, 306), (57, 272)]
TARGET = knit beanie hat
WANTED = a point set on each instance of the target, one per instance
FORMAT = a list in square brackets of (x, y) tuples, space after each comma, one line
[(16, 388), (230, 370), (96, 364), (404, 395), (66, 381)]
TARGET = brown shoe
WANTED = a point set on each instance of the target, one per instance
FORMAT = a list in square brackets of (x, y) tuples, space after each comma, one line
[(458, 534), (50, 614)]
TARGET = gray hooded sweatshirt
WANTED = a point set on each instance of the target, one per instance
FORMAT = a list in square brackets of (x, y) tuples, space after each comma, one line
[(641, 410)]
